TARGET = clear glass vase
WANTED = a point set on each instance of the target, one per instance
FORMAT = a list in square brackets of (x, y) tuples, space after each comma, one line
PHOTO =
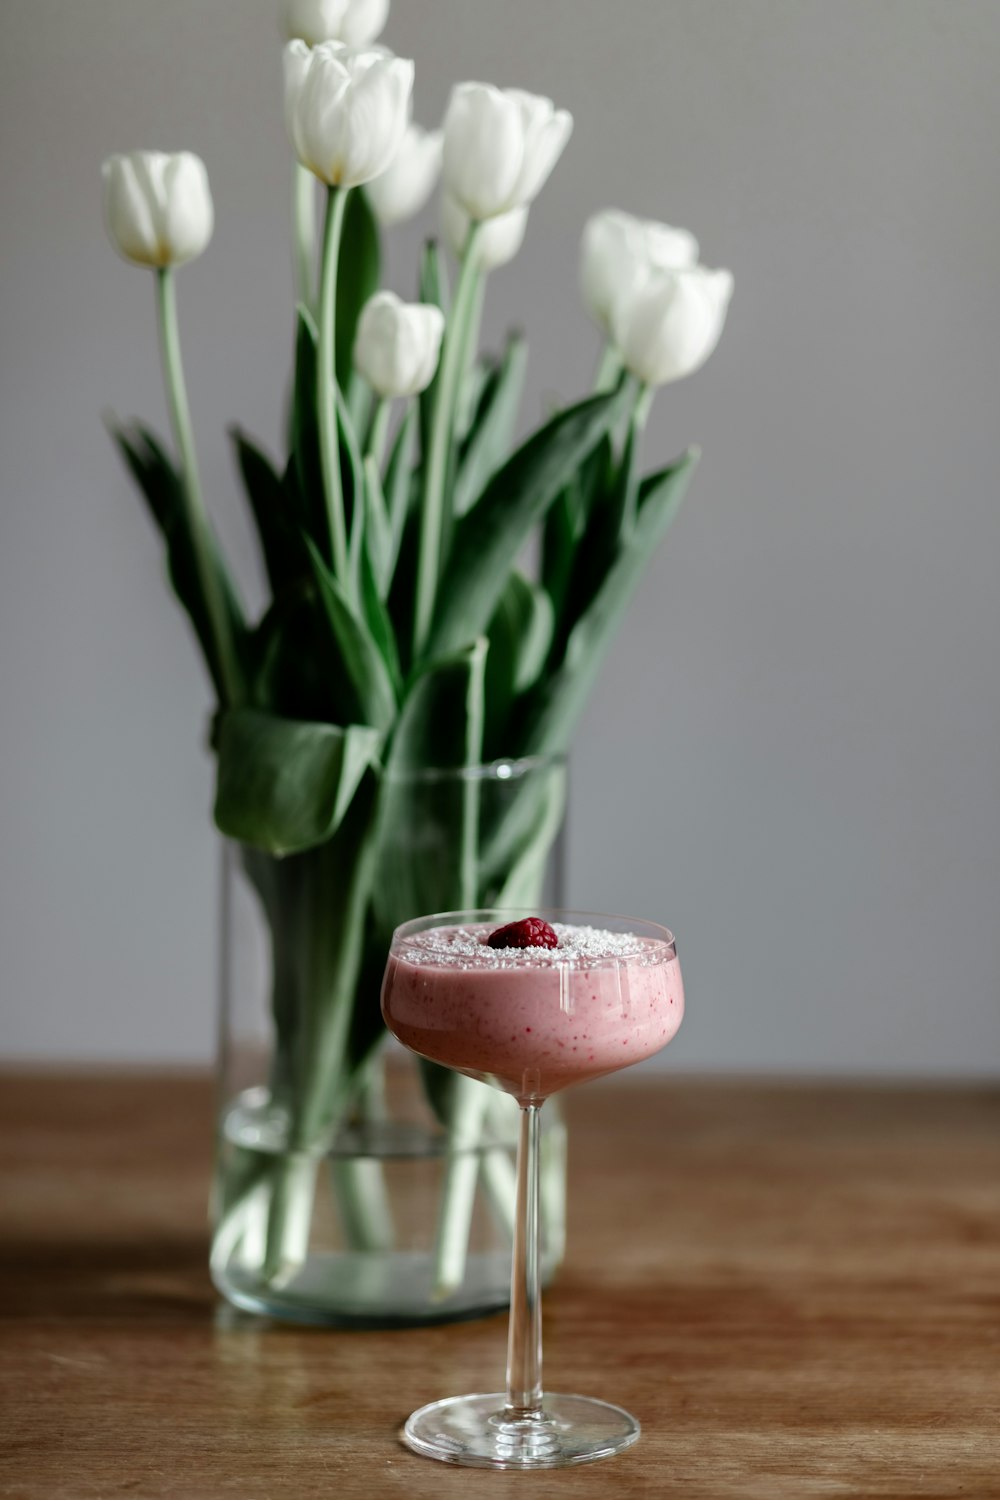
[(355, 1186)]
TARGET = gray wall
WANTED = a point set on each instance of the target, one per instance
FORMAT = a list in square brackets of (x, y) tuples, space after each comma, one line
[(792, 756)]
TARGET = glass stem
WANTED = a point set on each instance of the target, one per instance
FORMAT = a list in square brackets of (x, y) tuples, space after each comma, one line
[(524, 1339)]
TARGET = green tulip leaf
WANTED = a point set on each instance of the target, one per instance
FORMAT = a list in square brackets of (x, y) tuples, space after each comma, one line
[(284, 785), (160, 484), (566, 525), (277, 531), (560, 697), (378, 619), (520, 635), (492, 427), (524, 872), (358, 653), (429, 823), (487, 540), (358, 275), (305, 469)]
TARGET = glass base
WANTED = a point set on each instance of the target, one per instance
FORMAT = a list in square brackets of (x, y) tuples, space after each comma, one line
[(478, 1431)]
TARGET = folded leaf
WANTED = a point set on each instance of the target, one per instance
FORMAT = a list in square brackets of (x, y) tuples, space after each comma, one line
[(520, 634), (429, 824), (304, 433), (357, 651), (358, 272), (160, 484), (565, 526), (276, 522), (441, 720), (492, 428), (294, 676), (284, 785), (378, 620), (487, 540), (559, 698)]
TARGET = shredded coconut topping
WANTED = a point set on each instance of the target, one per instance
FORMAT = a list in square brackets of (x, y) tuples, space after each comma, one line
[(467, 948)]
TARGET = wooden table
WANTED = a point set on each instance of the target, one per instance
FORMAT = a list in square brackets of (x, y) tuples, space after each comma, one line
[(797, 1289)]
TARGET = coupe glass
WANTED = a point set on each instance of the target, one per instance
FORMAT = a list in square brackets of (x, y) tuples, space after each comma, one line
[(531, 1022)]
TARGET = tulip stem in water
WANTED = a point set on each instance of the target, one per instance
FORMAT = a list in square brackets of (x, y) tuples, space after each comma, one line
[(453, 353), (326, 394), (304, 225), (197, 521)]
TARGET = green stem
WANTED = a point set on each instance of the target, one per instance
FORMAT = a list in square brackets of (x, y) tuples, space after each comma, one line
[(304, 224), (464, 411), (644, 401), (326, 393), (379, 431), (640, 415), (608, 370), (436, 462), (197, 521)]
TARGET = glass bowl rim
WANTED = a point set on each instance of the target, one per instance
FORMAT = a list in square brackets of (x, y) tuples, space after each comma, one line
[(473, 915)]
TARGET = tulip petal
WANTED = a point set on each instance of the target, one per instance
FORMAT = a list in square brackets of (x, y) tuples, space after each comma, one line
[(187, 207), (158, 206), (498, 241), (674, 323), (546, 131), (297, 61), (374, 119), (483, 149), (129, 212), (398, 344), (404, 187)]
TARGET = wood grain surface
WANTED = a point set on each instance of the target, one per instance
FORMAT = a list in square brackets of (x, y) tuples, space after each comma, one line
[(796, 1288)]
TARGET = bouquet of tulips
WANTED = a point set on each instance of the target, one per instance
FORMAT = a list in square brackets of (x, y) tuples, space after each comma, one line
[(402, 630)]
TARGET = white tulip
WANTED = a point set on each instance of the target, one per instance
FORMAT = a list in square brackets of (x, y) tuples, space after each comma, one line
[(498, 241), (356, 22), (499, 147), (346, 109), (671, 325), (403, 189), (398, 344), (616, 252), (158, 207)]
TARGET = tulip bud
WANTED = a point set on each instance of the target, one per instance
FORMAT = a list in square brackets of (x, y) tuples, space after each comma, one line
[(356, 22), (346, 109), (499, 147), (398, 344), (671, 325), (616, 252), (498, 241), (403, 189), (158, 207)]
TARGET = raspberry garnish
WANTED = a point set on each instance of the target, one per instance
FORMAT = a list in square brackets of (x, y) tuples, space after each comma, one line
[(531, 932)]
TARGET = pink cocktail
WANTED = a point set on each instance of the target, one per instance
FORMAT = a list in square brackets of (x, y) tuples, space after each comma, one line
[(535, 1019), (530, 1003)]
